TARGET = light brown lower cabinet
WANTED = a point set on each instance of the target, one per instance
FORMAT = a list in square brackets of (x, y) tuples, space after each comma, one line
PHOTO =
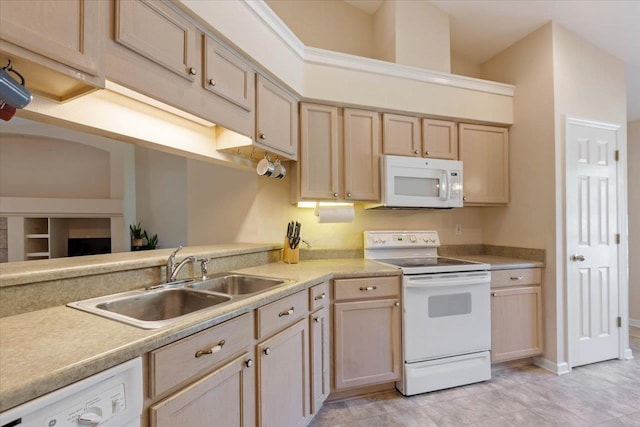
[(283, 377), (319, 356), (224, 398), (516, 323), (366, 334)]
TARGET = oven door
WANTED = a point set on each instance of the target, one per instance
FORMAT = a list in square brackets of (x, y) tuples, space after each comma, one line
[(446, 314)]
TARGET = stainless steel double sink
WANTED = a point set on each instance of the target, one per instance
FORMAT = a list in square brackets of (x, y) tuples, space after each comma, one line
[(164, 304)]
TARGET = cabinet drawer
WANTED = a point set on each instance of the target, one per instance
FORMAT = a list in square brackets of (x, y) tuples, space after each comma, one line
[(367, 287), (515, 277), (174, 363), (319, 296), (281, 313)]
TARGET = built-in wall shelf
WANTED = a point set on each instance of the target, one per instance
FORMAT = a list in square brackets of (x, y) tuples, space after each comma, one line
[(45, 237)]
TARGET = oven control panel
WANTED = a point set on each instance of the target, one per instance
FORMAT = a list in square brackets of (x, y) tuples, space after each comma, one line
[(401, 239)]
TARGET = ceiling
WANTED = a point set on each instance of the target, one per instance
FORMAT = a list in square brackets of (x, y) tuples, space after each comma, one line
[(482, 28)]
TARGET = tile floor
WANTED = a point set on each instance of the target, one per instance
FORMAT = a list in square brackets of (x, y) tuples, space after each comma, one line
[(602, 394)]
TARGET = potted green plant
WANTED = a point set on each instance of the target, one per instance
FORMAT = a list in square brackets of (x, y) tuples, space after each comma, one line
[(152, 242), (137, 236)]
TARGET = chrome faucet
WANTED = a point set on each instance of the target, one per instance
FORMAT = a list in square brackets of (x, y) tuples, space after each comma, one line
[(172, 268)]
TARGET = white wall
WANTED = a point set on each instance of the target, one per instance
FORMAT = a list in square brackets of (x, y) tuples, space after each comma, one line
[(633, 160)]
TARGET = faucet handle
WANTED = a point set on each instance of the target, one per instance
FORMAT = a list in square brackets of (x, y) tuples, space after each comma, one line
[(204, 267), (173, 254)]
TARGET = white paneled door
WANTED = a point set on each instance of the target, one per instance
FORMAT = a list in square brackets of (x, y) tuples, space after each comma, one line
[(591, 234)]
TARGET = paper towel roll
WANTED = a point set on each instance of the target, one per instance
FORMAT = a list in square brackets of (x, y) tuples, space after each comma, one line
[(335, 213)]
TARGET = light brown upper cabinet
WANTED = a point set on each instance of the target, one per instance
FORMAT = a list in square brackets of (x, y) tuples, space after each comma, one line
[(400, 135), (403, 136), (228, 76), (55, 45), (484, 151), (153, 49), (276, 119), (337, 165), (361, 155), (439, 139), (318, 166)]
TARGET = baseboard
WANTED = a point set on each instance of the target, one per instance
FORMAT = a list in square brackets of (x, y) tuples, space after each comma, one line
[(627, 354), (556, 368), (634, 322)]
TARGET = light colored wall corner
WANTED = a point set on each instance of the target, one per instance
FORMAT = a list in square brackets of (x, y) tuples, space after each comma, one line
[(161, 205), (529, 219), (332, 25), (463, 67), (633, 178), (384, 32), (422, 36)]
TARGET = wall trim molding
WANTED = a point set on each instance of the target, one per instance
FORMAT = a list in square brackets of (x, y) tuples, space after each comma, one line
[(634, 322), (556, 368), (312, 55)]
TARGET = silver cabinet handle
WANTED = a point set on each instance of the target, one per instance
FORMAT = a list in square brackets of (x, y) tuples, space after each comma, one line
[(426, 153), (321, 296), (368, 288), (464, 198), (249, 363), (493, 294), (517, 277), (416, 152), (348, 195), (316, 319), (397, 304), (262, 137), (335, 195), (192, 71), (286, 312), (576, 257), (266, 351), (212, 82), (212, 350)]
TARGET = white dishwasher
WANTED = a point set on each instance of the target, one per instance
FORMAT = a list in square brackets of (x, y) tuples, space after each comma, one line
[(111, 398)]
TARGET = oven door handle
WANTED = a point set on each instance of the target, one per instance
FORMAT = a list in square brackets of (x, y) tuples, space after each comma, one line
[(448, 282)]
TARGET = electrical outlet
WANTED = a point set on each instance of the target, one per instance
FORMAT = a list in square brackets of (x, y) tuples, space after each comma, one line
[(458, 229)]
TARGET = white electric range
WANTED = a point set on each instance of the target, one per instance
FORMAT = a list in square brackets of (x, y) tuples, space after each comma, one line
[(446, 320)]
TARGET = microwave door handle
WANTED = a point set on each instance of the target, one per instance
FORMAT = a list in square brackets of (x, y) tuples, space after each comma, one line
[(445, 190)]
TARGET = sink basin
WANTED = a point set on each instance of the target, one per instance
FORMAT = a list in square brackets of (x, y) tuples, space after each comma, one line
[(237, 284), (151, 309)]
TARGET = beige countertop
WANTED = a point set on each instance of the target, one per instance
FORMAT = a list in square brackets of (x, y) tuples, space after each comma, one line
[(41, 351), (503, 263)]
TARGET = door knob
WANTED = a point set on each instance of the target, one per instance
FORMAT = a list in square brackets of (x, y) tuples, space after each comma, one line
[(576, 257)]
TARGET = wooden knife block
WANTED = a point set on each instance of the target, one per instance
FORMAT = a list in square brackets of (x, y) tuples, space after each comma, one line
[(290, 256)]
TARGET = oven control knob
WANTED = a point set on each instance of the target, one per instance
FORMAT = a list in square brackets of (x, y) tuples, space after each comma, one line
[(383, 240), (412, 239)]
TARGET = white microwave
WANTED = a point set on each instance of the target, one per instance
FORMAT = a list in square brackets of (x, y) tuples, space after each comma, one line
[(414, 182)]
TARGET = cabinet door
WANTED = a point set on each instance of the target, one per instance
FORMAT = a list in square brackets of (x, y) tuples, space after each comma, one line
[(225, 398), (319, 152), (276, 119), (65, 31), (283, 378), (516, 323), (400, 135), (439, 139), (319, 349), (366, 343), (226, 75), (361, 155), (158, 33), (484, 151)]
